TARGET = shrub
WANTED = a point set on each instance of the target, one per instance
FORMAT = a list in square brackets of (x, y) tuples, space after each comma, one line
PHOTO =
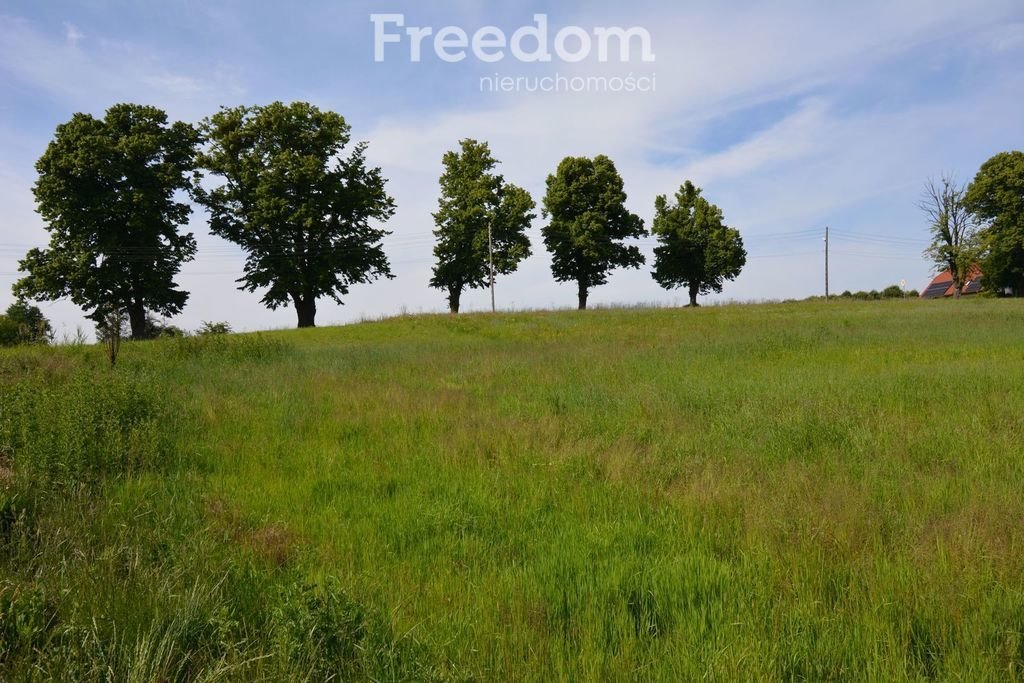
[(214, 328), (26, 619), (319, 631)]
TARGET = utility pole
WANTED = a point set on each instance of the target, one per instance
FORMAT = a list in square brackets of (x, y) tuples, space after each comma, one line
[(826, 263), (490, 250)]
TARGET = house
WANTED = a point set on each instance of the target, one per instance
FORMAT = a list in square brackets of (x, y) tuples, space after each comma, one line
[(942, 285)]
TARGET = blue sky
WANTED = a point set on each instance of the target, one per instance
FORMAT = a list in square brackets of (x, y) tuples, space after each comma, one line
[(790, 115)]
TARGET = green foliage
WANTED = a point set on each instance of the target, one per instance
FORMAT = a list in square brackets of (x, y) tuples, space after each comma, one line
[(107, 191), (954, 245), (217, 347), (61, 429), (304, 213), (585, 203), (997, 198), (321, 630), (476, 204), (696, 249), (10, 332), (214, 328), (24, 324), (27, 619), (892, 292)]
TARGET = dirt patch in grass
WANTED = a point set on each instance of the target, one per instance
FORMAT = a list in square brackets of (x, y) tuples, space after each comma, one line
[(273, 542)]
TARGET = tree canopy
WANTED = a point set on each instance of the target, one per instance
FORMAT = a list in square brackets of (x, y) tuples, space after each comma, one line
[(953, 228), (585, 203), (695, 248), (24, 323), (477, 204), (109, 192), (304, 213), (996, 197)]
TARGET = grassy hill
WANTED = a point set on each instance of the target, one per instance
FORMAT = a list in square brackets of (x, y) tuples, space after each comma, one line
[(800, 491)]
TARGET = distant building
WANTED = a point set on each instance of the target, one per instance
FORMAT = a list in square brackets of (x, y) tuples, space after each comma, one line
[(942, 285)]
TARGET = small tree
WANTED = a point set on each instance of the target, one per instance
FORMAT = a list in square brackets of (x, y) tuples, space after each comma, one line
[(107, 190), (477, 212), (585, 202), (996, 197), (303, 212), (110, 331), (30, 324), (953, 228), (696, 249)]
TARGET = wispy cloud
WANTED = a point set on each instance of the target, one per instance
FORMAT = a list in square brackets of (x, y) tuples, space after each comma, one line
[(836, 113)]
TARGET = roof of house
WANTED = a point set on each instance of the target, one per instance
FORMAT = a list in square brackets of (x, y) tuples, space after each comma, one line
[(942, 284)]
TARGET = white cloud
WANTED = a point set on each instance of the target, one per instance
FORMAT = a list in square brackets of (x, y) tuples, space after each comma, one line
[(832, 158), (72, 34)]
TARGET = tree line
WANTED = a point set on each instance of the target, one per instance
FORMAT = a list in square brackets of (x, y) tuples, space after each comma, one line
[(979, 224), (283, 182)]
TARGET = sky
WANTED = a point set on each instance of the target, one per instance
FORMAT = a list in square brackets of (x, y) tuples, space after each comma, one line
[(791, 116)]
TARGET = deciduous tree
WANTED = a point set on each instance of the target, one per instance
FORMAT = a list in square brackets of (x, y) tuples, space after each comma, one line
[(305, 214), (996, 197), (110, 190), (695, 248), (477, 210), (28, 323), (954, 245), (589, 223)]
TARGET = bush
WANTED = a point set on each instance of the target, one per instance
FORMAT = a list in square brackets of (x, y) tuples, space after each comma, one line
[(8, 331), (208, 328), (319, 632), (24, 324), (26, 619), (892, 292)]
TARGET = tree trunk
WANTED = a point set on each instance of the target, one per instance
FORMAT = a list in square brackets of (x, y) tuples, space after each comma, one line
[(454, 294), (957, 286), (582, 293), (137, 320), (305, 309), (694, 291)]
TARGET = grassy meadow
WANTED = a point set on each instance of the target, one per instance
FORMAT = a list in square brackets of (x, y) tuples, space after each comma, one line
[(802, 491)]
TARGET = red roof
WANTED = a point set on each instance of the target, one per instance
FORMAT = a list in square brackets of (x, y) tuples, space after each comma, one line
[(942, 284)]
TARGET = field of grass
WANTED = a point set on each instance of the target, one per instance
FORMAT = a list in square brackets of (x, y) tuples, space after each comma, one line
[(802, 491)]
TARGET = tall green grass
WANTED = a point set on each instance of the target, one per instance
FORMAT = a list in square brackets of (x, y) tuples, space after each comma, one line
[(801, 492)]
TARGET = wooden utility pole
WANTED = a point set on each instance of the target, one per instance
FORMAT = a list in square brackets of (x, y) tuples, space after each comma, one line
[(826, 263), (490, 250)]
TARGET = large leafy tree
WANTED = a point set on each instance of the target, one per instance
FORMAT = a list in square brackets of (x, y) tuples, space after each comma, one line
[(304, 213), (996, 197), (109, 190), (696, 249), (589, 223), (477, 211), (953, 228)]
